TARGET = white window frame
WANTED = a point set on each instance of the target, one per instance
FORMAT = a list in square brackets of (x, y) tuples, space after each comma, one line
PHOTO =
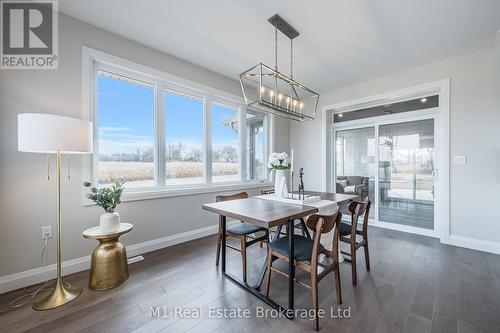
[(94, 60), (266, 125)]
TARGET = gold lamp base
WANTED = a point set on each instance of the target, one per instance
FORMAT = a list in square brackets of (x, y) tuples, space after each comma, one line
[(60, 295)]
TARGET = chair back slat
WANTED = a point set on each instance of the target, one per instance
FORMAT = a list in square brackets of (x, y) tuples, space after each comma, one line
[(357, 209), (242, 195), (327, 221), (322, 224)]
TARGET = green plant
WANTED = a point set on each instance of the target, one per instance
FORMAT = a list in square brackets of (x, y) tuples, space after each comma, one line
[(106, 197)]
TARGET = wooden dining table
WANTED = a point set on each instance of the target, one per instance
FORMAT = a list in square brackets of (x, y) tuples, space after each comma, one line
[(267, 214)]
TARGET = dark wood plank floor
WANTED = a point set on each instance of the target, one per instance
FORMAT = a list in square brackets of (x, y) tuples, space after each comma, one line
[(416, 285)]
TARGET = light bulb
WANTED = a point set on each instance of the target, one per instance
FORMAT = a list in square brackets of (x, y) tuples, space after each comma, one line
[(294, 102), (280, 96), (262, 89), (271, 93), (301, 105)]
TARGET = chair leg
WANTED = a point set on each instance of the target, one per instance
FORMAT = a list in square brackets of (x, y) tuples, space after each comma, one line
[(338, 288), (244, 257), (217, 255), (268, 273), (367, 256), (314, 291), (353, 264)]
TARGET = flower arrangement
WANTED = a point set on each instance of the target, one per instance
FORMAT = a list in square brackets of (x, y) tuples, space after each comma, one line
[(106, 197), (279, 161)]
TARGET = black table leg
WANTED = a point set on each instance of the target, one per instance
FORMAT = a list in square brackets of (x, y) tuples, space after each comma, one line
[(223, 241), (263, 271), (304, 227), (253, 290), (291, 266)]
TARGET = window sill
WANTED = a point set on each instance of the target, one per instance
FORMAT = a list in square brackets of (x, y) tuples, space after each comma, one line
[(148, 194)]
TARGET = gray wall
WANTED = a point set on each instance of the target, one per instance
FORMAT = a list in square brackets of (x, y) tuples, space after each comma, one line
[(27, 199), (474, 131)]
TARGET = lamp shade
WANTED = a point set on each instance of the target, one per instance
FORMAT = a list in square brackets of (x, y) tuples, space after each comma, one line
[(48, 133)]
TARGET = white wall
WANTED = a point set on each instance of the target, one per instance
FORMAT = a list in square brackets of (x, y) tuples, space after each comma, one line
[(474, 132), (27, 199)]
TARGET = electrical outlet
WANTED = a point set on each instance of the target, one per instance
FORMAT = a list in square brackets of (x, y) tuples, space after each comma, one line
[(46, 231)]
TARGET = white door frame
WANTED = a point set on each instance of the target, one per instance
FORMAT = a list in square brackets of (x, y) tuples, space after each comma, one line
[(375, 123), (441, 125)]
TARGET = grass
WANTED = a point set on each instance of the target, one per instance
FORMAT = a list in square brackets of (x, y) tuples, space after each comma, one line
[(137, 171)]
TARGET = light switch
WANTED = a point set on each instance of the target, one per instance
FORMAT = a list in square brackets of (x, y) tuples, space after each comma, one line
[(460, 160)]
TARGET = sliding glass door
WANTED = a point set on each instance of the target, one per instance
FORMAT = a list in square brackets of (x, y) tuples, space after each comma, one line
[(392, 163), (406, 165)]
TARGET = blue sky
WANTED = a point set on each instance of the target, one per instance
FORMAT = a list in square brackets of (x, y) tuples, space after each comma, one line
[(126, 116)]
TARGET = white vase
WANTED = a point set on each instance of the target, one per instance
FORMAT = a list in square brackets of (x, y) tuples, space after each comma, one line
[(280, 191), (109, 222)]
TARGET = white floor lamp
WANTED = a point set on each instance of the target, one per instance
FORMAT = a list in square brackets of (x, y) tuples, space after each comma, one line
[(53, 134)]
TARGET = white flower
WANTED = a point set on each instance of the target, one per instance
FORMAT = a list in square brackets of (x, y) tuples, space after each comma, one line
[(278, 161)]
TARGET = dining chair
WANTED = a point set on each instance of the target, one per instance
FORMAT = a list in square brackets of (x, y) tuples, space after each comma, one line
[(245, 232), (306, 256), (349, 233), (301, 225)]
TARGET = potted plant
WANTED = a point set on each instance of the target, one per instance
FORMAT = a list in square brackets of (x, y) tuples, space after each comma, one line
[(280, 162), (107, 198)]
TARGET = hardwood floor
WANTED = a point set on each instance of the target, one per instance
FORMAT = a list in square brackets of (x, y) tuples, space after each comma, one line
[(416, 285)]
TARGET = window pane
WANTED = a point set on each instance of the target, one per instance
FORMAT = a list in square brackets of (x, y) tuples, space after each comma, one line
[(126, 131), (184, 139), (256, 168), (355, 163), (225, 141)]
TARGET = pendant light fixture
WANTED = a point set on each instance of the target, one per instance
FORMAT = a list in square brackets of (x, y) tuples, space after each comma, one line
[(268, 90)]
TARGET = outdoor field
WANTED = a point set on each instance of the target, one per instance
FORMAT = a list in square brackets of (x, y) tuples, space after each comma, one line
[(135, 172)]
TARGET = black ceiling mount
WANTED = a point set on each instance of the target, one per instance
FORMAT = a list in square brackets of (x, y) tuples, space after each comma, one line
[(283, 26)]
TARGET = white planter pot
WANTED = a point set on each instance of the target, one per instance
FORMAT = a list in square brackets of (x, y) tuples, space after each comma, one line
[(278, 190), (109, 222)]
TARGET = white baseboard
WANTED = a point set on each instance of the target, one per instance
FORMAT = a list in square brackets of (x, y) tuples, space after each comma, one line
[(40, 274), (455, 240), (475, 244)]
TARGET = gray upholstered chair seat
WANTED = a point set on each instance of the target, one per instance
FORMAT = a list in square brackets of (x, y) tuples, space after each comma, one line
[(303, 247), (244, 228)]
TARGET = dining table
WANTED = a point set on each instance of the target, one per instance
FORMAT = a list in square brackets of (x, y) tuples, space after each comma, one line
[(269, 214)]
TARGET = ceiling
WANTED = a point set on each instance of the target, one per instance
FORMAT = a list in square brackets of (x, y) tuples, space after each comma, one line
[(340, 42)]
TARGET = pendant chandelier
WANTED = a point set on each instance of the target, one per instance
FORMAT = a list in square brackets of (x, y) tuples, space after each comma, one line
[(268, 90)]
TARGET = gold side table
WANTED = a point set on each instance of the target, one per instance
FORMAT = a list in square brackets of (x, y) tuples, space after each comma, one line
[(108, 266)]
